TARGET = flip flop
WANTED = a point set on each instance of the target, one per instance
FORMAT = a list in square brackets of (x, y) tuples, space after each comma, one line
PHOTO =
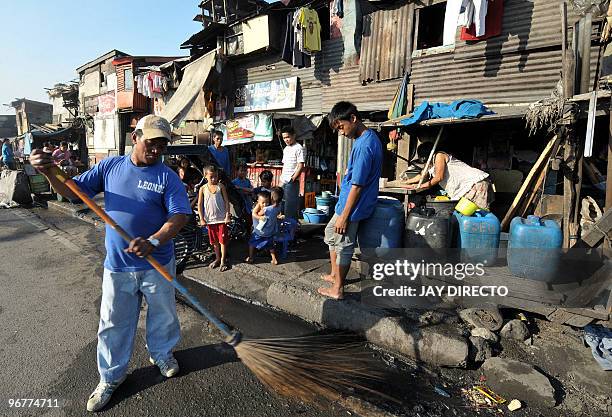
[(214, 264), (224, 268)]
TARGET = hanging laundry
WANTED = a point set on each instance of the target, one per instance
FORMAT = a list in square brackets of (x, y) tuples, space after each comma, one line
[(152, 84), (291, 51), (474, 12), (451, 18), (338, 8), (311, 28), (493, 23)]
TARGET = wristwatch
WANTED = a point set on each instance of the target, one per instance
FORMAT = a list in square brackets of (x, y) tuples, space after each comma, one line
[(153, 241)]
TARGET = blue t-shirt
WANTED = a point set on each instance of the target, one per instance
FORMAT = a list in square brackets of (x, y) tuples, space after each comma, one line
[(222, 158), (247, 197), (140, 200), (364, 169), (7, 153)]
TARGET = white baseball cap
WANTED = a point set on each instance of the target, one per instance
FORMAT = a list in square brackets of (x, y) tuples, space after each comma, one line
[(154, 127)]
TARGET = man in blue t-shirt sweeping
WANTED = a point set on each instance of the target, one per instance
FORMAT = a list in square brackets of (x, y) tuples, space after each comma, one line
[(358, 194), (147, 199)]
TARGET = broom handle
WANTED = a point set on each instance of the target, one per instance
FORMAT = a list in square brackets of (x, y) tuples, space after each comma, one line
[(59, 174), (433, 150)]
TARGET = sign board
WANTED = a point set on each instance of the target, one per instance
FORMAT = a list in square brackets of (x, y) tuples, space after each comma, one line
[(266, 95), (251, 128), (106, 103)]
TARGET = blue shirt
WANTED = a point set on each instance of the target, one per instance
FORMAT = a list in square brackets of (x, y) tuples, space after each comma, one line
[(364, 169), (247, 197), (222, 158), (140, 200), (7, 153)]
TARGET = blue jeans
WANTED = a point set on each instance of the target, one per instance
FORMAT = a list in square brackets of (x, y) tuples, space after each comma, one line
[(119, 311), (291, 191)]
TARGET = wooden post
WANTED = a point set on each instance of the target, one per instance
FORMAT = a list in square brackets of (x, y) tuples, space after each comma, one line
[(609, 175), (585, 55)]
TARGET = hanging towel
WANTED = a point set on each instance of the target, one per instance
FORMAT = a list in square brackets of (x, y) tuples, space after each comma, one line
[(451, 19), (493, 23)]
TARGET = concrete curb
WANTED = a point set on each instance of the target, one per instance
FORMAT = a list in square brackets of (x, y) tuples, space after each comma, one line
[(439, 345)]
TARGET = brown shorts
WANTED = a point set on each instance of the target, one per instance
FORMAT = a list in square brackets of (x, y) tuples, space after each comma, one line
[(481, 194)]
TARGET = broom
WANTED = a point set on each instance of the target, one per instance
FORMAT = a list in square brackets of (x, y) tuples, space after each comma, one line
[(310, 368)]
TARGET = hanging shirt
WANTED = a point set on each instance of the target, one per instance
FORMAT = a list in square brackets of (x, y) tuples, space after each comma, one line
[(140, 200), (222, 157), (309, 19), (493, 23), (451, 18), (474, 12)]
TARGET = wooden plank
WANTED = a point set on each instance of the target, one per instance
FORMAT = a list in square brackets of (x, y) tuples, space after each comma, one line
[(596, 233), (589, 312), (568, 189), (579, 321), (535, 170), (560, 316), (609, 177)]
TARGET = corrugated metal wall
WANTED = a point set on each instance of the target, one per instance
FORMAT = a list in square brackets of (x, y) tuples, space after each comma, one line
[(386, 44), (522, 65)]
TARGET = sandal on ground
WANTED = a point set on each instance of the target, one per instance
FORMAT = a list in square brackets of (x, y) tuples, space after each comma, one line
[(214, 264), (224, 268)]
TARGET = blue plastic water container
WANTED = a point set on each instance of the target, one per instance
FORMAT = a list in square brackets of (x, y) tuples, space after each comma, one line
[(383, 229), (326, 205), (534, 248), (478, 237)]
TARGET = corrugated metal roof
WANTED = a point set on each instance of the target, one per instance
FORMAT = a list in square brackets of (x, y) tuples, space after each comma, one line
[(386, 44)]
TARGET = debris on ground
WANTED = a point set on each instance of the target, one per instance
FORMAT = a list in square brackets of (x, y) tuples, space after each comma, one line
[(485, 334), (480, 349), (479, 396), (489, 318), (518, 379), (441, 392), (514, 405), (515, 329)]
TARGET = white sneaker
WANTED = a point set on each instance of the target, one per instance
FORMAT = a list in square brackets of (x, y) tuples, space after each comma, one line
[(167, 368), (102, 395)]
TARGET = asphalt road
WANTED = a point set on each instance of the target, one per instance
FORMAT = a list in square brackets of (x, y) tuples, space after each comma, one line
[(49, 302)]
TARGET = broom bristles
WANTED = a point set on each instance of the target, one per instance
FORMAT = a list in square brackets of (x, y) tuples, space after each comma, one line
[(314, 369)]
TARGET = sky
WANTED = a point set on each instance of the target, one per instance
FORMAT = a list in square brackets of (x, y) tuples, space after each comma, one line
[(43, 42)]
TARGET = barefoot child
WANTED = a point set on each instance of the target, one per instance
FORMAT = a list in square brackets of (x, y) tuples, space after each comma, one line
[(213, 208), (265, 223)]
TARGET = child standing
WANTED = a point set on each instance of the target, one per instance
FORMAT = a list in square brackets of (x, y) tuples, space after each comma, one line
[(265, 223), (214, 211), (265, 179), (244, 187)]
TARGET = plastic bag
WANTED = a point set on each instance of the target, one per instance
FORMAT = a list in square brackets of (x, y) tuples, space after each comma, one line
[(598, 8)]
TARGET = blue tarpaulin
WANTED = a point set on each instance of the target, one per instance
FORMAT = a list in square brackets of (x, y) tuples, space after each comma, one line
[(459, 109)]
